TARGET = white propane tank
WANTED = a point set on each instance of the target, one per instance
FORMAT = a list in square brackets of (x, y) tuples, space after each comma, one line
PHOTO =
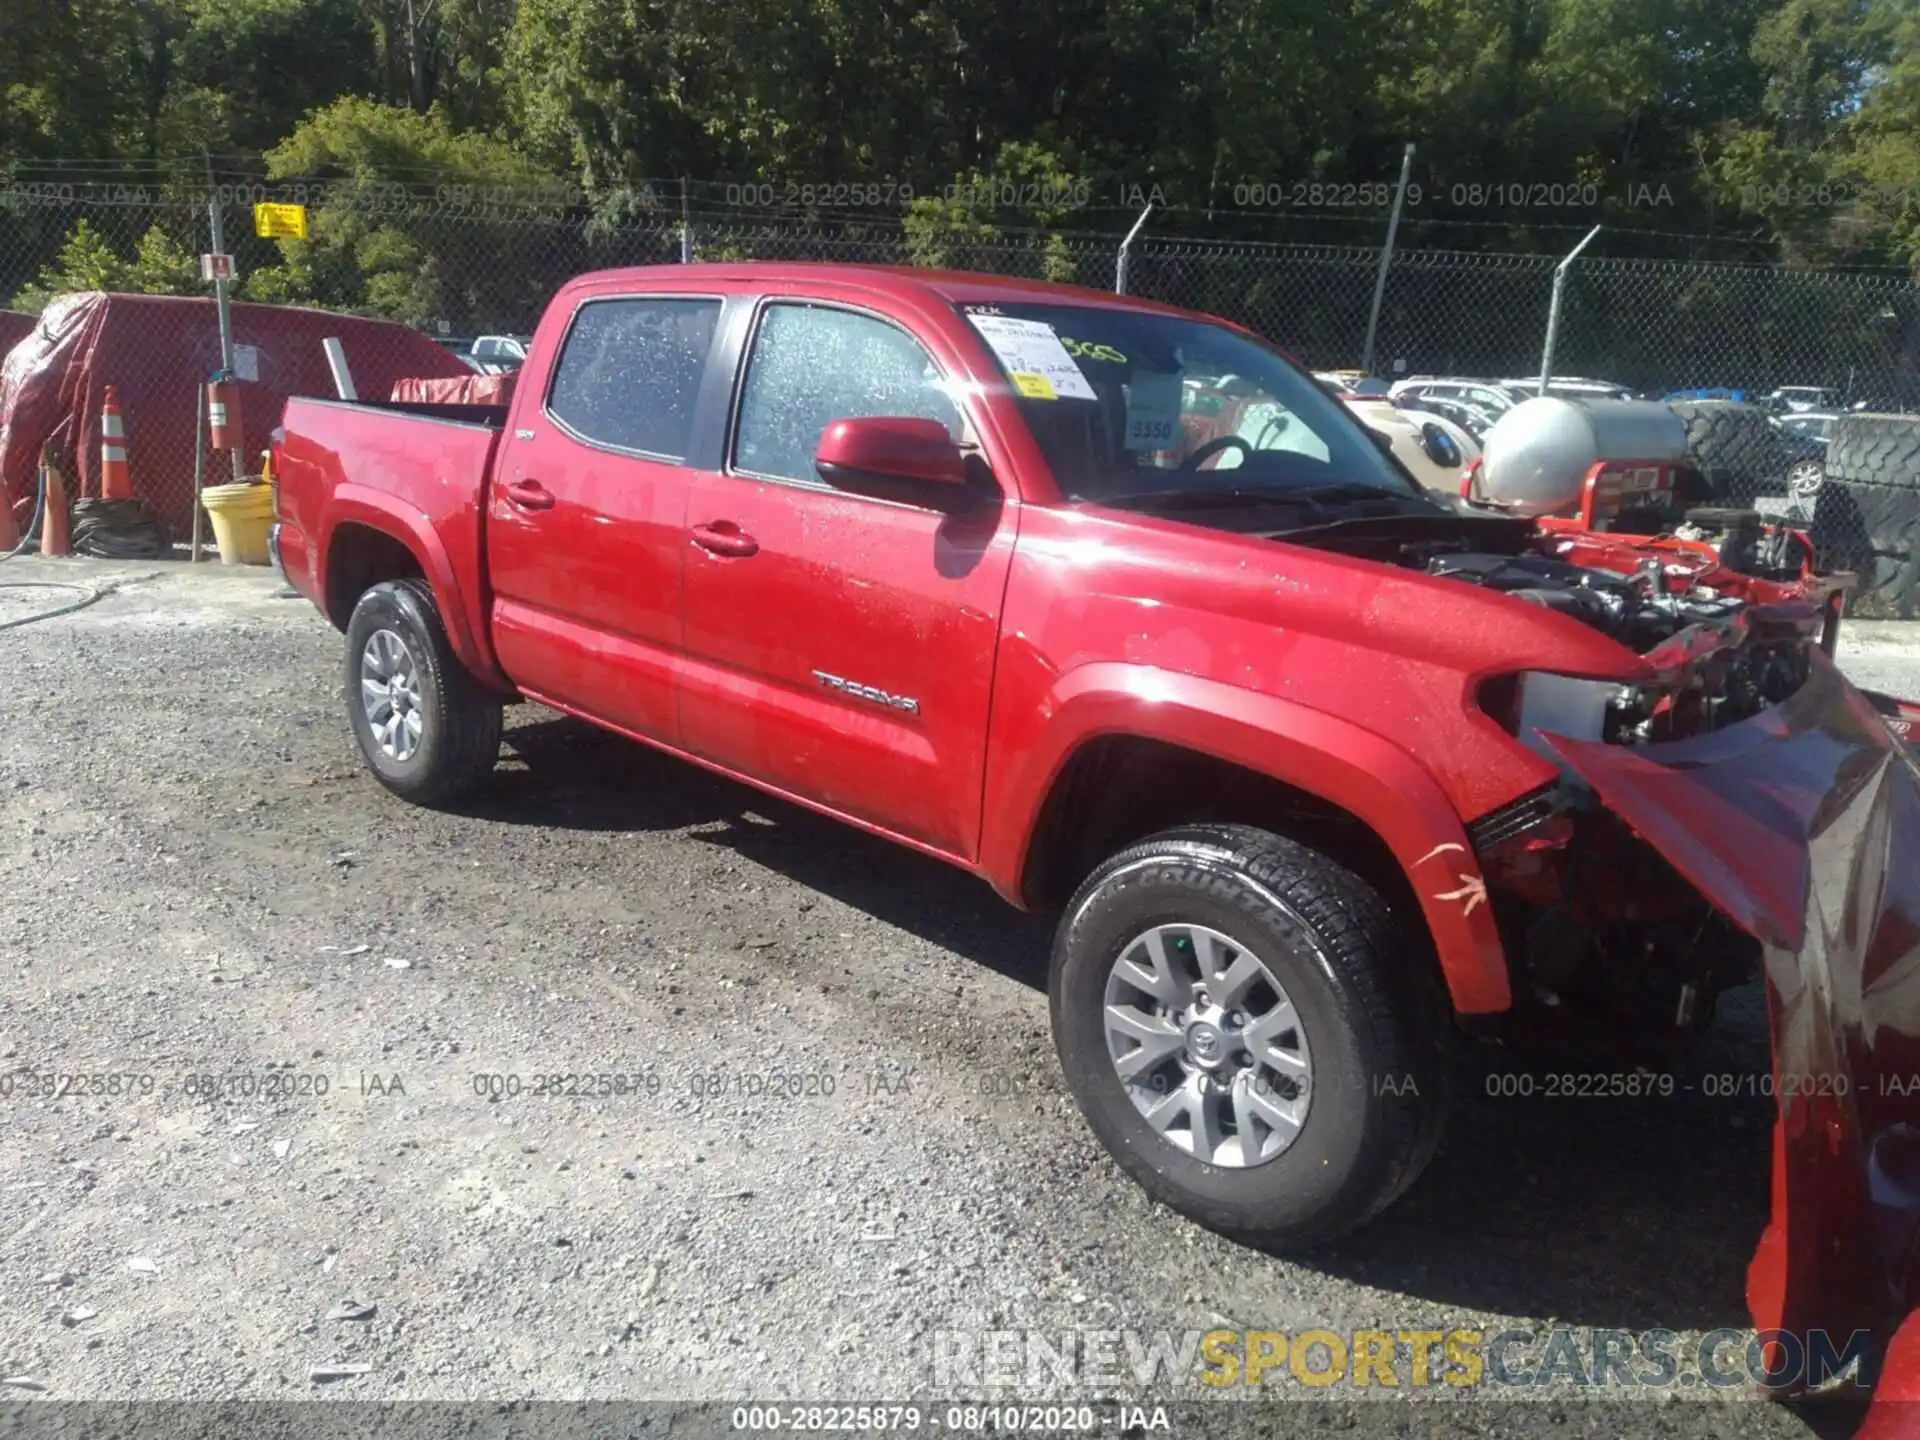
[(1537, 454)]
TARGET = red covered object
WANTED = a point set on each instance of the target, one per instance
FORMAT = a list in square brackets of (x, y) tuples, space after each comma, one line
[(154, 350), (472, 388)]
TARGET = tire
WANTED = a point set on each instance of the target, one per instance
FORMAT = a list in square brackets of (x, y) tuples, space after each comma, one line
[(1371, 1017), (1736, 449), (1875, 450), (456, 743)]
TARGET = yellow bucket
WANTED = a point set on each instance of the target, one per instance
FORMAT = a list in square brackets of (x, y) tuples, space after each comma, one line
[(241, 514)]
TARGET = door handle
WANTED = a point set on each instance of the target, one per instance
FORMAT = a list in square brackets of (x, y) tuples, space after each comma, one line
[(529, 495), (723, 537)]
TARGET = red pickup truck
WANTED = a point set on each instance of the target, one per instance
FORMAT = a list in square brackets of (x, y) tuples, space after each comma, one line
[(1110, 604)]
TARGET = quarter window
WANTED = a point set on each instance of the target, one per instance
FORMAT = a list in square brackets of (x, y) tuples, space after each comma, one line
[(630, 371)]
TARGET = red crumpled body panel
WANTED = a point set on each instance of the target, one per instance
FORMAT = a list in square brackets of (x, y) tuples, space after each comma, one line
[(1803, 826)]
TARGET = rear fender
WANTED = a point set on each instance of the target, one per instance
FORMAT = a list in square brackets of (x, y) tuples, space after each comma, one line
[(455, 597), (1331, 759)]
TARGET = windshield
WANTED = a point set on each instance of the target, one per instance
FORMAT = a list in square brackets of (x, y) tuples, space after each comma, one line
[(1126, 403)]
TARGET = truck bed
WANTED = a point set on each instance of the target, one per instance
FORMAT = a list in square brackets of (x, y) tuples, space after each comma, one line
[(396, 467)]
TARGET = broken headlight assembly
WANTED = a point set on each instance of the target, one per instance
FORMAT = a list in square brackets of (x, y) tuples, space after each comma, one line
[(1716, 689)]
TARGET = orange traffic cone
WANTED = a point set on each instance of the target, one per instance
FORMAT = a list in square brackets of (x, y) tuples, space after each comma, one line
[(116, 483), (54, 533)]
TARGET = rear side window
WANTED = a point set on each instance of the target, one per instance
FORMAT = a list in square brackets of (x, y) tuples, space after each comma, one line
[(630, 370)]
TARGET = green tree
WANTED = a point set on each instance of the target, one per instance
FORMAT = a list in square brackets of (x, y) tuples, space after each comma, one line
[(159, 266), (418, 221)]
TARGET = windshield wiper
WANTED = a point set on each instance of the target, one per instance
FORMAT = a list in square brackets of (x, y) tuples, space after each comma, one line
[(1207, 499), (1356, 490), (1312, 497)]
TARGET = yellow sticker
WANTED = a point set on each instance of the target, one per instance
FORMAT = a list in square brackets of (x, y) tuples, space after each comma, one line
[(280, 222), (1034, 387)]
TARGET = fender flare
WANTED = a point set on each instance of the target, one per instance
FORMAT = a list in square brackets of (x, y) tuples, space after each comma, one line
[(1339, 762), (353, 504)]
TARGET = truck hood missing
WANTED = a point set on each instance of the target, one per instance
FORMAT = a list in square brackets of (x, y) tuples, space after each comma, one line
[(1802, 825)]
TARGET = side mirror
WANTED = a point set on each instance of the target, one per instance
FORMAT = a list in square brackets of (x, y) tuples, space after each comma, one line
[(894, 457)]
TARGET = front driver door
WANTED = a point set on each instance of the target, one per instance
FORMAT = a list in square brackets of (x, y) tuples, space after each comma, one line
[(840, 648)]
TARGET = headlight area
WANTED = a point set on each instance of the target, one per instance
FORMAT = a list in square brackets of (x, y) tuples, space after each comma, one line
[(1699, 689), (1613, 953)]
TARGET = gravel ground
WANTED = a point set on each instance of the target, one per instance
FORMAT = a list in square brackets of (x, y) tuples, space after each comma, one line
[(844, 1130)]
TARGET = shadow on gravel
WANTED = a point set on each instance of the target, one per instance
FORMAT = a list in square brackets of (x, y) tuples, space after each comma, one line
[(577, 777), (1613, 1212)]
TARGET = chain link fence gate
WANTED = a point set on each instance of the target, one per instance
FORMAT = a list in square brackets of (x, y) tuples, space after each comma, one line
[(465, 261)]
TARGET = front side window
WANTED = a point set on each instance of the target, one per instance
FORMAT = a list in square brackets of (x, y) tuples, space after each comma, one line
[(1131, 403), (812, 365), (630, 370)]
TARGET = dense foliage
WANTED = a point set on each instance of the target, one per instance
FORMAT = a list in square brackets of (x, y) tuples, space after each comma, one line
[(1790, 123)]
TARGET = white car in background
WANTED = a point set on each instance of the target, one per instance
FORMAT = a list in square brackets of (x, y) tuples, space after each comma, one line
[(1433, 448), (1800, 399), (1571, 387), (496, 354)]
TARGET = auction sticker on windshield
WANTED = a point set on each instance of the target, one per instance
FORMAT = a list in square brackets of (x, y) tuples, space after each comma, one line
[(1029, 349), (1153, 411)]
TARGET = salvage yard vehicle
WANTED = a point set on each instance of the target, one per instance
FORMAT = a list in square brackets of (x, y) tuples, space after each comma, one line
[(1430, 447), (1112, 605)]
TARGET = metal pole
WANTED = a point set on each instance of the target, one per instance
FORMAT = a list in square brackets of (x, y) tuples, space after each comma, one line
[(1553, 308), (226, 325), (1386, 259), (1126, 247), (199, 464), (686, 227)]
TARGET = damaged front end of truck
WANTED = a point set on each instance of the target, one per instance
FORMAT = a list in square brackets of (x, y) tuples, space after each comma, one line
[(1743, 812)]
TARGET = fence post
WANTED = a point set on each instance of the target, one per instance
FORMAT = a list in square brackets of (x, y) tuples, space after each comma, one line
[(686, 228), (1553, 308), (1126, 248), (1386, 259), (226, 321)]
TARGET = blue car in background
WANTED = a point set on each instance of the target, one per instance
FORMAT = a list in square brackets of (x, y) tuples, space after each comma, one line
[(1736, 395)]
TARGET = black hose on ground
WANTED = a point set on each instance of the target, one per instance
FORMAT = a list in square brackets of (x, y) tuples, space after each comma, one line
[(89, 594)]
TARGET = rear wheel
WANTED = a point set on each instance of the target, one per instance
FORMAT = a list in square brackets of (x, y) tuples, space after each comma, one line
[(427, 730), (1239, 1021)]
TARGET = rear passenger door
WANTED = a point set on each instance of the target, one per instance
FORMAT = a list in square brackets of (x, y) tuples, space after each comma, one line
[(587, 511)]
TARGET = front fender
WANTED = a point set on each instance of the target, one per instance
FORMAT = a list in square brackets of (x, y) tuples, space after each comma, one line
[(1332, 759), (456, 588)]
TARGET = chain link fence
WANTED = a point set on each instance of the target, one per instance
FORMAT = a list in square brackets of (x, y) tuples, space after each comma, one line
[(455, 262)]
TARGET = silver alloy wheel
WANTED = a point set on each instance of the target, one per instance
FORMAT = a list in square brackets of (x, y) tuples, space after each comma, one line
[(390, 695), (1805, 479), (1208, 1045)]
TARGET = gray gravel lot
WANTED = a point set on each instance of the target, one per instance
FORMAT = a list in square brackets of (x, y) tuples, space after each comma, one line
[(842, 1129)]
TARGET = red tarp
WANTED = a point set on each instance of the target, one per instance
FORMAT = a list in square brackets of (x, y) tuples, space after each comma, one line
[(471, 389), (154, 350)]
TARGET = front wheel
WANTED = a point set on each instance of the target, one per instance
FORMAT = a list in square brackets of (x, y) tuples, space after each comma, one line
[(1249, 1033), (427, 730)]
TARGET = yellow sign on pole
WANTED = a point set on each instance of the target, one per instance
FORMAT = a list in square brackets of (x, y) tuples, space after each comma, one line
[(280, 222)]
